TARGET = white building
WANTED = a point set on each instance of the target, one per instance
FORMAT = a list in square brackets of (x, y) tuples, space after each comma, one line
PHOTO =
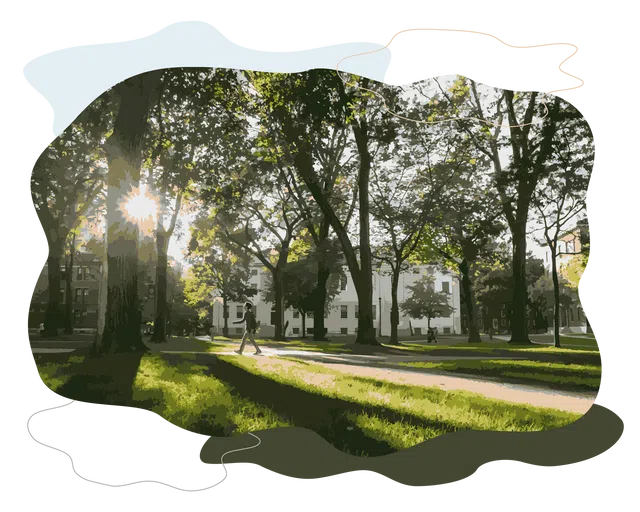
[(342, 317)]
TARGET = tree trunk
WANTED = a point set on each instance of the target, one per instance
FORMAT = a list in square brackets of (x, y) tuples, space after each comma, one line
[(395, 313), (304, 324), (68, 321), (102, 306), (278, 284), (124, 156), (225, 317), (160, 321), (470, 303), (556, 298), (519, 331), (589, 329), (52, 315), (321, 298)]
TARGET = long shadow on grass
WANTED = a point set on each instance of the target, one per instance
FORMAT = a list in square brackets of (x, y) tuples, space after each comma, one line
[(324, 415), (103, 380)]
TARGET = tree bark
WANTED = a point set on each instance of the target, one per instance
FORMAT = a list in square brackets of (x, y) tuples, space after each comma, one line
[(469, 302), (518, 320), (124, 157), (160, 321), (225, 317), (278, 284), (68, 321), (556, 298), (52, 314), (321, 299), (395, 313)]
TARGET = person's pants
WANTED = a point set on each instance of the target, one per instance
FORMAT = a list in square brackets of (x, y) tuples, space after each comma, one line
[(248, 334)]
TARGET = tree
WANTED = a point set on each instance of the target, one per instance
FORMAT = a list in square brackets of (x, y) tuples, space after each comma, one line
[(124, 151), (216, 272), (301, 290), (295, 108), (426, 302), (66, 179), (530, 144), (561, 195)]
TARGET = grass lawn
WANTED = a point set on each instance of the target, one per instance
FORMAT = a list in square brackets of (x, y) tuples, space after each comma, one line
[(570, 377), (222, 395)]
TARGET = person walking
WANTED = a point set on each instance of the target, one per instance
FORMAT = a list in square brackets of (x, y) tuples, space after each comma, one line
[(250, 325)]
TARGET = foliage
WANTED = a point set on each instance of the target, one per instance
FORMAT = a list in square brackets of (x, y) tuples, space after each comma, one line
[(425, 302)]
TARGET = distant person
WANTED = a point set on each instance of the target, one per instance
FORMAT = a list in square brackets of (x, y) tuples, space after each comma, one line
[(250, 325), (490, 332), (431, 336)]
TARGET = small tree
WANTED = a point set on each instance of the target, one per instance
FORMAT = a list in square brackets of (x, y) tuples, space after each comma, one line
[(426, 302)]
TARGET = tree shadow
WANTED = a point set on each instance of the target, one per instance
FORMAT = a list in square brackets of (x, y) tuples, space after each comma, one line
[(327, 416), (104, 380)]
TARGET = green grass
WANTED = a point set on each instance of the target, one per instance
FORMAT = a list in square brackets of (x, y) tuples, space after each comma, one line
[(556, 375), (222, 395)]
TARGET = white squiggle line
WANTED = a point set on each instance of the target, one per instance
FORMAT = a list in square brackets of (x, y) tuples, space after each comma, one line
[(224, 466)]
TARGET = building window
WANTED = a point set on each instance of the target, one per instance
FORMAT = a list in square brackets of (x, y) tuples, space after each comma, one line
[(416, 270), (309, 314), (85, 293), (254, 271), (343, 282), (296, 314), (239, 312), (374, 310), (344, 330), (239, 330), (446, 330), (310, 330), (79, 274), (344, 312), (296, 330), (445, 286), (86, 273), (495, 323), (76, 313), (78, 294)]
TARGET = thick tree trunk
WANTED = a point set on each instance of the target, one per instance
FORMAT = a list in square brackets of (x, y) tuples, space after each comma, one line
[(160, 321), (519, 331), (278, 284), (225, 316), (395, 313), (321, 298), (124, 157), (304, 324), (68, 320), (52, 315), (470, 303)]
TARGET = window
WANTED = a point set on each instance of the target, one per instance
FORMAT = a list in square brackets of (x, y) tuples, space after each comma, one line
[(310, 330), (151, 291), (84, 313), (61, 294), (296, 330), (446, 330), (571, 314), (78, 294), (86, 273), (344, 330), (76, 313), (239, 330), (343, 282), (495, 323), (344, 312), (430, 271), (445, 286), (416, 270), (296, 314), (239, 312), (86, 294), (374, 311), (309, 314), (254, 271)]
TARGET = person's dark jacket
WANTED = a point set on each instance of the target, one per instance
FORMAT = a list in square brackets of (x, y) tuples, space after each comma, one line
[(249, 320)]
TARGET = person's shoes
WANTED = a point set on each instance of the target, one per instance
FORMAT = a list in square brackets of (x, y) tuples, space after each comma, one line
[(257, 353), (238, 352)]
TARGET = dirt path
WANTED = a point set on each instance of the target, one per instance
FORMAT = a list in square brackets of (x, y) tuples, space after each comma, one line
[(346, 363)]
